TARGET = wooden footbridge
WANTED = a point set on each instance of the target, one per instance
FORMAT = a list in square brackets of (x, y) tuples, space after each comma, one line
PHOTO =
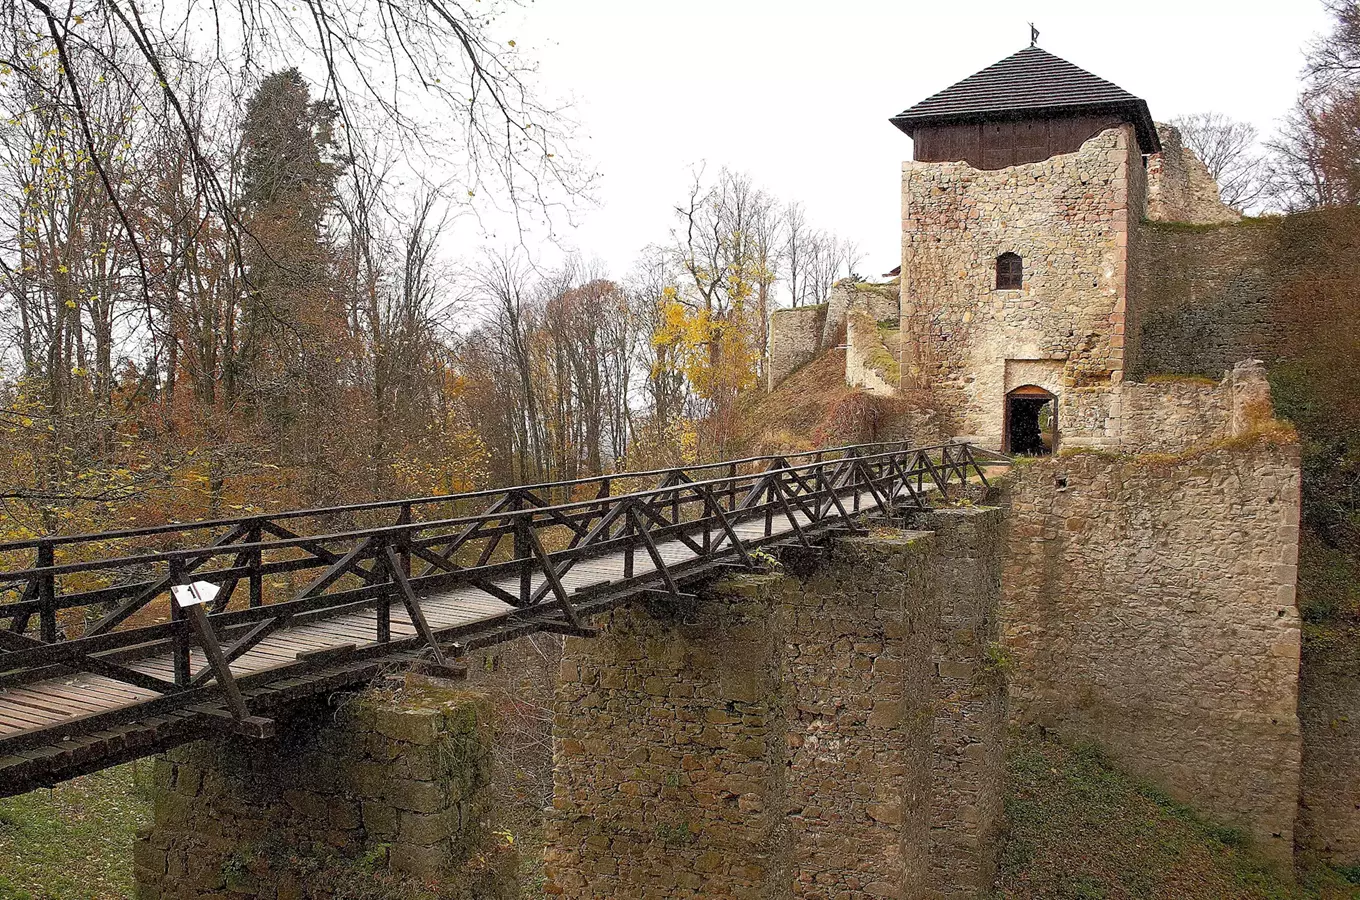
[(121, 644)]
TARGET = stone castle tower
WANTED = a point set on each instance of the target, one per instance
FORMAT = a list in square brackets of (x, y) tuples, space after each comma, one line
[(1020, 218)]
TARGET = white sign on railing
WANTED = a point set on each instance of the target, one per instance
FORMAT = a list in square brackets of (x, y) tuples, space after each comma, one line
[(194, 594)]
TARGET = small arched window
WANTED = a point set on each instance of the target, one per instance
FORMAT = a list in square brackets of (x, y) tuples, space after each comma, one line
[(1010, 272)]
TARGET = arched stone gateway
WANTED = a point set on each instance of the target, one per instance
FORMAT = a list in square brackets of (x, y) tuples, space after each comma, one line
[(1031, 422)]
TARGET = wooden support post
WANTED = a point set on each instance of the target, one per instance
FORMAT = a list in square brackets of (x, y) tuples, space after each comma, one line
[(180, 641), (47, 594), (256, 568), (554, 582), (524, 553), (412, 602), (628, 533), (404, 539), (657, 561), (198, 619)]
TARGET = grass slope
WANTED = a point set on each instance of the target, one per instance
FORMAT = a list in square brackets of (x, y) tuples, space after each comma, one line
[(1079, 829), (74, 842), (785, 418)]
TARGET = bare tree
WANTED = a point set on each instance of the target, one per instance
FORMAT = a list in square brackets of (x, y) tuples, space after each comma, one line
[(797, 238), (1231, 152), (432, 74), (1315, 157), (1333, 59)]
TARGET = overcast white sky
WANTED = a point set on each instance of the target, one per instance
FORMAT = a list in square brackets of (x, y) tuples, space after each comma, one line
[(798, 94)]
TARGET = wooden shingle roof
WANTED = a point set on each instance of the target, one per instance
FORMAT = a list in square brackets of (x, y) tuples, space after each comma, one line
[(1031, 83)]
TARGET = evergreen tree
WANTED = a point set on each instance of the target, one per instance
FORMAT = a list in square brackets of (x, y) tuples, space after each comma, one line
[(295, 316)]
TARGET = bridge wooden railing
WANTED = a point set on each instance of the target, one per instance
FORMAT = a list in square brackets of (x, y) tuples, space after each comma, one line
[(94, 603)]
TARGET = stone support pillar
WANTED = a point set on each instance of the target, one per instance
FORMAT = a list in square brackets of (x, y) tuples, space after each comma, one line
[(387, 790), (668, 762), (858, 677), (968, 753), (780, 740)]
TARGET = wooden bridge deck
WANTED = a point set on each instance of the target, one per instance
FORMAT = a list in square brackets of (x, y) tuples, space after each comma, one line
[(68, 717), (60, 701)]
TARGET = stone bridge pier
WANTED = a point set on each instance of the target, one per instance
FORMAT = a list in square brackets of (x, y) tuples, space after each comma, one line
[(385, 795), (832, 731)]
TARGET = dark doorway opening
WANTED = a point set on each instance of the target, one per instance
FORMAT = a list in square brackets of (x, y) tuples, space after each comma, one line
[(1031, 421)]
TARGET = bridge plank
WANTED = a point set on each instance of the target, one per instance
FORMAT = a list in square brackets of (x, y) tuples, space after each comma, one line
[(53, 699), (23, 702)]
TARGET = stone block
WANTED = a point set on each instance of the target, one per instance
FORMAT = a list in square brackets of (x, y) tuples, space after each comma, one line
[(417, 796), (380, 819), (426, 829), (418, 726), (425, 862)]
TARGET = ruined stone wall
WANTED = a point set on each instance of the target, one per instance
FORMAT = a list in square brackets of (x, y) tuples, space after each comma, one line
[(381, 793), (1069, 218), (795, 338), (1329, 707), (1180, 188), (878, 300), (1149, 606), (1205, 297), (871, 357), (1170, 415), (789, 737)]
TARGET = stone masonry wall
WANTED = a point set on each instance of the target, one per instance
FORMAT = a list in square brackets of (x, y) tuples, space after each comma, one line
[(386, 791), (856, 680), (1205, 297), (1149, 606), (1329, 706), (1069, 219), (1180, 188), (781, 739), (795, 338)]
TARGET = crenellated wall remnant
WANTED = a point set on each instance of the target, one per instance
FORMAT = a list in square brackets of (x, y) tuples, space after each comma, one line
[(790, 736), (795, 338), (1180, 187), (385, 792), (1177, 414)]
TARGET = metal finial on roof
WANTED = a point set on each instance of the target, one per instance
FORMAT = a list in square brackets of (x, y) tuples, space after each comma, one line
[(1033, 35)]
